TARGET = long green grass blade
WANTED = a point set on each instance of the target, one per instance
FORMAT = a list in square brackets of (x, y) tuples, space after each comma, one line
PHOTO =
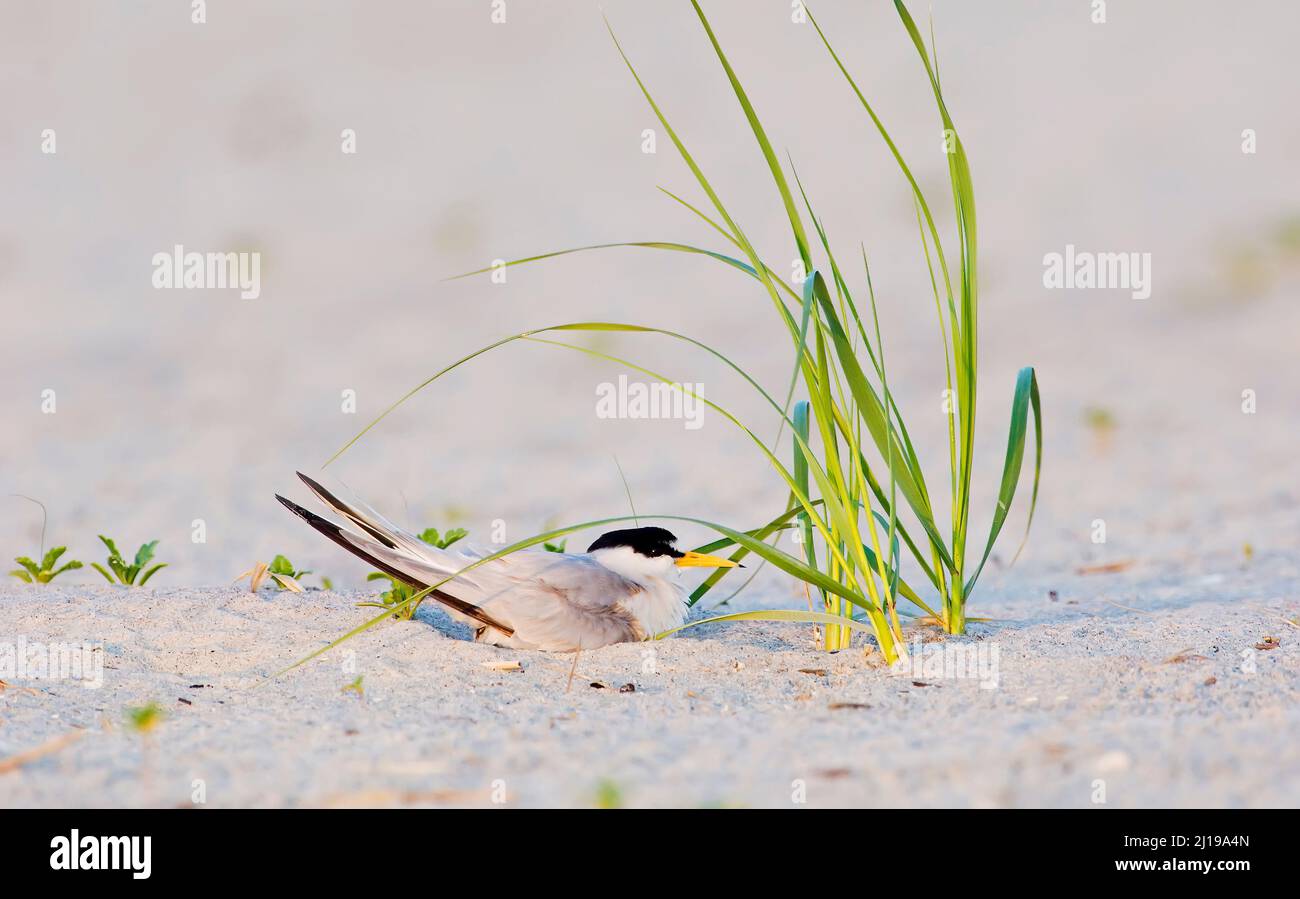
[(773, 164), (634, 244), (801, 426), (524, 335), (1026, 397), (800, 352), (875, 418)]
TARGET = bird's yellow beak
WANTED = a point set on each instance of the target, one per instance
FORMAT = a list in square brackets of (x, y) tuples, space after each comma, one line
[(700, 560)]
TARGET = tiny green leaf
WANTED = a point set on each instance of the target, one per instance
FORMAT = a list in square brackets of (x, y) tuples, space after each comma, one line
[(67, 567), (144, 554), (112, 547), (52, 556), (151, 572), (452, 536)]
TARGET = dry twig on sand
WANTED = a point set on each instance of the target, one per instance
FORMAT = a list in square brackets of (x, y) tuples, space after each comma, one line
[(49, 747)]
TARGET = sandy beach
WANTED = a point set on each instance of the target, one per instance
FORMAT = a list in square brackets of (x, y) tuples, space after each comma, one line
[(1160, 666), (1168, 706)]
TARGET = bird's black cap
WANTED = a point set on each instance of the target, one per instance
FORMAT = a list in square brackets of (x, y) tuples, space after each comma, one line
[(646, 541)]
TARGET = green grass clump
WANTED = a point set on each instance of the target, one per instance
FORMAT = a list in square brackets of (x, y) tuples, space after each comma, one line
[(873, 528), (122, 573), (44, 572)]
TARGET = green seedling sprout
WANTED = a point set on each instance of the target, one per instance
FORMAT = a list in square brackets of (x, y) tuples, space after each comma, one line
[(144, 719), (285, 576), (31, 572), (281, 572), (122, 573), (45, 572)]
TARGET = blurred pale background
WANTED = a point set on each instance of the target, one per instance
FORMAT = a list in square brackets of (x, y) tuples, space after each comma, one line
[(477, 141)]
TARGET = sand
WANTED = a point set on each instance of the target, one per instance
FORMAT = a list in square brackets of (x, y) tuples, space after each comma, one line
[(1168, 706), (180, 413)]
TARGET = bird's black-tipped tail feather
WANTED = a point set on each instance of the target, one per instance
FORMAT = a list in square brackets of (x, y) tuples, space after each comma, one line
[(347, 511), (339, 536)]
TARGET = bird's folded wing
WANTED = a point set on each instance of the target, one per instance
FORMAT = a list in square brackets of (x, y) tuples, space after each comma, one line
[(561, 602)]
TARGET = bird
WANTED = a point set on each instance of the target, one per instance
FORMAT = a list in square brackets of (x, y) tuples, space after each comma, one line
[(624, 588)]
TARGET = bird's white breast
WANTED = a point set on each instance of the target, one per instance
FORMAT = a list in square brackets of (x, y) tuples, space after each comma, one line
[(660, 604), (659, 607)]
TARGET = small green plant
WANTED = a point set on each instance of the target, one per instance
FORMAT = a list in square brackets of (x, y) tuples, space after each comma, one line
[(356, 687), (397, 593), (280, 572), (123, 573), (556, 547), (433, 538), (145, 719), (608, 795), (285, 576), (400, 592), (45, 571)]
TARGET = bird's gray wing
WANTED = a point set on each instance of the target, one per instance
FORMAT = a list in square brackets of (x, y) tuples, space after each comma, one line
[(559, 602)]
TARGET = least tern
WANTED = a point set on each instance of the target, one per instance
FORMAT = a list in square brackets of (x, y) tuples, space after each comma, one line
[(623, 588)]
